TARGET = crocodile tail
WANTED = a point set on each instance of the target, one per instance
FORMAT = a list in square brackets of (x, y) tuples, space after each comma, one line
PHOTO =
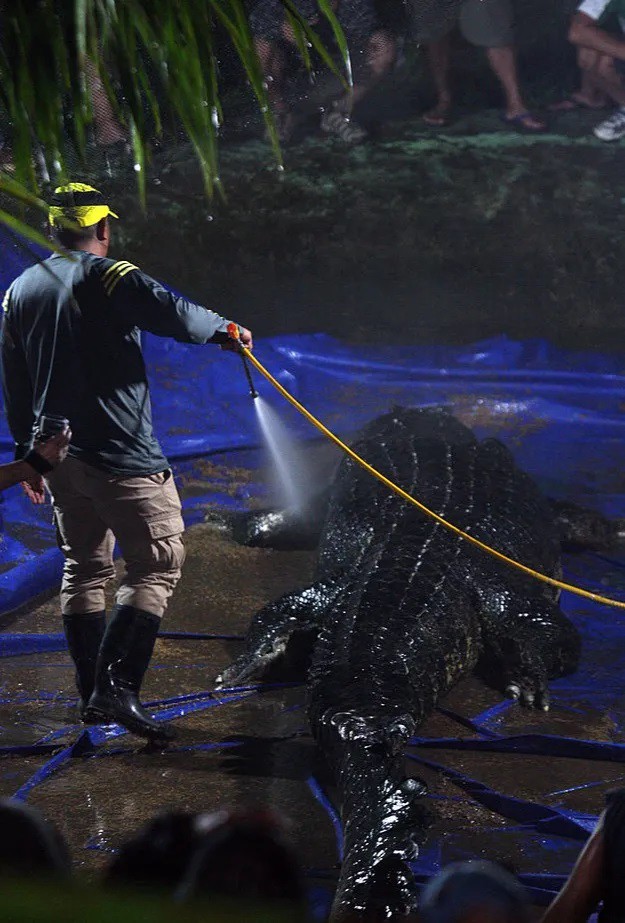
[(382, 813)]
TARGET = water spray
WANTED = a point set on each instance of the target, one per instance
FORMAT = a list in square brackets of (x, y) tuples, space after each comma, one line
[(396, 489), (235, 336)]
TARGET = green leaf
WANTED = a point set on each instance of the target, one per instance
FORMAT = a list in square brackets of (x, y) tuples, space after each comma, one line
[(152, 57), (29, 232)]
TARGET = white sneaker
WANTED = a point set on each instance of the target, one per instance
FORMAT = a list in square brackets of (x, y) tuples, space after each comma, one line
[(613, 128)]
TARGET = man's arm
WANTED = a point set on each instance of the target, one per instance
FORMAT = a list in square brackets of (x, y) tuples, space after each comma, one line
[(16, 385), (140, 301), (585, 33), (28, 471), (14, 472), (584, 887), (44, 457)]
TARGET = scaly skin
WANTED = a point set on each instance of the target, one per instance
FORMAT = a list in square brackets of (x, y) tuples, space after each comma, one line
[(402, 609)]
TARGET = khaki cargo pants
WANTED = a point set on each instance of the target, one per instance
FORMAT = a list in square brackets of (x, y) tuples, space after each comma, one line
[(93, 509)]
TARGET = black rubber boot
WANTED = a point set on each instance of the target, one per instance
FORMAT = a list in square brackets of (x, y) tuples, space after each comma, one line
[(84, 633), (124, 657)]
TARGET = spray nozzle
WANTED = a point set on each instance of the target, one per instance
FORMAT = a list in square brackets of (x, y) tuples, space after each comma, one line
[(233, 333)]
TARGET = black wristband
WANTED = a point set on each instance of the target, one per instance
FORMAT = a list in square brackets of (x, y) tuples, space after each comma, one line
[(38, 462)]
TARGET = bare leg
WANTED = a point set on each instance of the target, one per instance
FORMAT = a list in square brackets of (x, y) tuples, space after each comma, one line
[(107, 128), (608, 79), (438, 60), (273, 64), (589, 95), (503, 62), (380, 56)]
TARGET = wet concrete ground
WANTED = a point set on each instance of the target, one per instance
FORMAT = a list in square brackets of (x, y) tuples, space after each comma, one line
[(257, 750)]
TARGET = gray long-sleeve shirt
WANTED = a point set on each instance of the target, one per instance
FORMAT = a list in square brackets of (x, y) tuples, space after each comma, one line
[(71, 346)]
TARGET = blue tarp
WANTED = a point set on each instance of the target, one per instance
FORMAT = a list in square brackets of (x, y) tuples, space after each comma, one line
[(560, 412)]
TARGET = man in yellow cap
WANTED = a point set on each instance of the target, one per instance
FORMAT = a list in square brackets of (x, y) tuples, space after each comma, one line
[(71, 347)]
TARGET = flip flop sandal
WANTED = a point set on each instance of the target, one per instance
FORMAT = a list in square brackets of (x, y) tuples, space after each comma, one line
[(519, 122), (569, 104)]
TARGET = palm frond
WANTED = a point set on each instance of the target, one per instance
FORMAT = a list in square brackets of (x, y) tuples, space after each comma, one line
[(22, 230), (162, 54)]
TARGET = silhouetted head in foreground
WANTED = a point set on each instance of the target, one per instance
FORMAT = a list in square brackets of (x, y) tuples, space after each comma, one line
[(29, 844), (244, 856), (158, 855), (221, 854), (474, 892)]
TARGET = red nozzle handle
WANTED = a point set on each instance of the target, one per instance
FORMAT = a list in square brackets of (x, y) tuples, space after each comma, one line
[(233, 331)]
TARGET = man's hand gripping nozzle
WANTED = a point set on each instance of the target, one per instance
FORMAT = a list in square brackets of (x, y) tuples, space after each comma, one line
[(233, 333)]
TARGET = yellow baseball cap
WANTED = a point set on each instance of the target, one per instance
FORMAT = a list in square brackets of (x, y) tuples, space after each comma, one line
[(78, 203)]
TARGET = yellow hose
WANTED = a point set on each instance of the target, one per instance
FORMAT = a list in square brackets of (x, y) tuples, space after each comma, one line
[(579, 591)]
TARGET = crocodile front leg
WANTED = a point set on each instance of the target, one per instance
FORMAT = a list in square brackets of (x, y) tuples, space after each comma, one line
[(274, 625)]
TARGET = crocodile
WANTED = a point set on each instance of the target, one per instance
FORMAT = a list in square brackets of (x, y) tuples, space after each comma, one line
[(401, 608)]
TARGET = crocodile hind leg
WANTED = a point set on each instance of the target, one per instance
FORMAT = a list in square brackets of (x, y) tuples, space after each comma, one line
[(274, 625), (527, 640), (581, 529), (383, 815)]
